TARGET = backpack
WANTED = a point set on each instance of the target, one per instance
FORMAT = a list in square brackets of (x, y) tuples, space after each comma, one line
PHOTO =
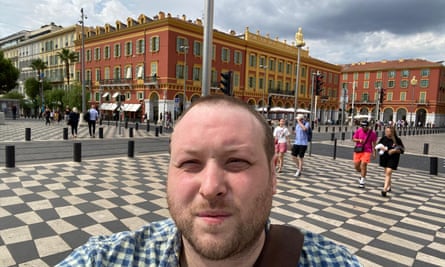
[(86, 116), (309, 134)]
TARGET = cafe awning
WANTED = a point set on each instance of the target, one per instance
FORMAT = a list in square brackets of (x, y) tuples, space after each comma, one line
[(131, 107), (108, 106)]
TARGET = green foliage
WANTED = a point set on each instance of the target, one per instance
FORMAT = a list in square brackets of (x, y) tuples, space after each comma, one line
[(8, 74), (73, 96)]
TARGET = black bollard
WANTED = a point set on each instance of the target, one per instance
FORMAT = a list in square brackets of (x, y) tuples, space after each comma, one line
[(425, 148), (131, 148), (10, 156), (319, 128), (101, 132), (335, 148), (157, 131), (65, 133), (77, 152), (148, 126), (28, 134), (343, 136), (130, 132), (433, 165), (160, 129), (326, 130), (126, 124), (136, 126), (332, 136)]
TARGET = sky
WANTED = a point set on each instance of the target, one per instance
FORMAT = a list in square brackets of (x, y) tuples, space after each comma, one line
[(335, 31)]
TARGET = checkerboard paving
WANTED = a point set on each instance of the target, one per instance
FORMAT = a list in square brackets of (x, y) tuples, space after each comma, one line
[(48, 210)]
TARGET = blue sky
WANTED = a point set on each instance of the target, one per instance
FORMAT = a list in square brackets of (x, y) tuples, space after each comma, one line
[(336, 31)]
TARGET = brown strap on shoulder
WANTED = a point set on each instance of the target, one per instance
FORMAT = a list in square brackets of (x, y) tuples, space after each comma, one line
[(282, 247)]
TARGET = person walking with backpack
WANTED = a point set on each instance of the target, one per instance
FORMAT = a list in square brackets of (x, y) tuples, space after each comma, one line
[(299, 147), (365, 139)]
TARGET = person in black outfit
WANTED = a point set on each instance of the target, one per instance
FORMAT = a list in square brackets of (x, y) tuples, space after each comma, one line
[(390, 146), (73, 119)]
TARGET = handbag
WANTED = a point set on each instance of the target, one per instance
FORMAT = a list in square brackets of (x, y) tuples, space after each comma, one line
[(360, 149)]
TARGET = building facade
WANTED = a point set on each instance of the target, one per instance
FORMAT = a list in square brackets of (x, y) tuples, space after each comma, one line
[(156, 65), (413, 91)]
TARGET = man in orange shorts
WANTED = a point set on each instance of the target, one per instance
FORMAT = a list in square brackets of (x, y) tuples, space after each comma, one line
[(366, 138)]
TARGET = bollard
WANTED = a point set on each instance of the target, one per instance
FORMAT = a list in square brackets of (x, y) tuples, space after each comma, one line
[(319, 128), (326, 130), (157, 131), (425, 148), (343, 136), (126, 124), (10, 156), (148, 126), (101, 132), (100, 122), (332, 136), (160, 129), (335, 148), (65, 133), (131, 148), (136, 126), (108, 122), (77, 152), (433, 165), (28, 134), (130, 132)]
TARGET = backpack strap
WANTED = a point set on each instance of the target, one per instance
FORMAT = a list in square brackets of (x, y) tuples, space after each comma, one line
[(282, 247)]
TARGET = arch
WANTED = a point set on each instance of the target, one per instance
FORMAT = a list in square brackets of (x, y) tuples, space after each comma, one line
[(153, 106), (421, 117), (388, 114), (401, 114)]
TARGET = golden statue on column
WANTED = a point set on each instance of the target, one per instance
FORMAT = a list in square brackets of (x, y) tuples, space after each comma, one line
[(299, 38)]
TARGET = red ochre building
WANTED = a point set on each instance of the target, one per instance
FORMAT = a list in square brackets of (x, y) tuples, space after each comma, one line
[(144, 60), (414, 91)]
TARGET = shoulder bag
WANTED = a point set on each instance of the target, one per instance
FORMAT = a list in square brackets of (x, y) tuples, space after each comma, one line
[(360, 149)]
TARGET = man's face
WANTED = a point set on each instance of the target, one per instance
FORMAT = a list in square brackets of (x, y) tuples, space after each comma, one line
[(220, 183), (281, 122)]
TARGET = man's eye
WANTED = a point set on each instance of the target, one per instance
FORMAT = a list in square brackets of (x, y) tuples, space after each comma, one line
[(236, 165), (190, 166)]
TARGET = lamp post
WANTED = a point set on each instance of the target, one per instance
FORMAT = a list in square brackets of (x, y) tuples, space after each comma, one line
[(264, 87), (413, 83), (352, 103), (185, 49), (82, 57), (300, 43)]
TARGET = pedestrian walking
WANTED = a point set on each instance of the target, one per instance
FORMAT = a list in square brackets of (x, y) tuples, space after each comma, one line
[(93, 115), (365, 139), (47, 115), (219, 195), (281, 135), (73, 121), (301, 141), (390, 147)]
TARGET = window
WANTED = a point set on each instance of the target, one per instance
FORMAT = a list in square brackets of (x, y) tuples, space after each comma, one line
[(197, 48), (378, 84), (355, 76), (251, 82), (196, 73), (88, 55), (235, 79), (288, 68), (366, 84), (97, 53), (422, 97), (180, 71), (107, 73), (88, 75), (391, 74), (263, 61), (404, 84), (127, 96), (238, 57), (97, 76), (107, 52), (367, 75), (117, 73), (140, 95), (140, 46), (117, 50), (128, 49), (261, 83), (424, 83), (345, 77), (214, 77), (252, 60), (425, 72), (391, 84), (365, 97), (405, 73), (378, 75), (213, 52), (154, 44), (271, 64), (402, 96), (180, 42), (128, 72), (389, 96), (225, 55), (154, 68), (140, 72), (280, 66)]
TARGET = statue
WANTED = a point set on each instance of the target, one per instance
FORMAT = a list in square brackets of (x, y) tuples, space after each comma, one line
[(299, 37)]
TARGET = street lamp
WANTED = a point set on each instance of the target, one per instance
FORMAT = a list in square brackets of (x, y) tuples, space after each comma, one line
[(264, 87), (82, 57), (300, 43), (185, 49), (413, 83)]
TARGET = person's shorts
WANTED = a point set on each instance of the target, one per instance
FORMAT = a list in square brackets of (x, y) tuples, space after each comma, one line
[(363, 157), (298, 150), (281, 148)]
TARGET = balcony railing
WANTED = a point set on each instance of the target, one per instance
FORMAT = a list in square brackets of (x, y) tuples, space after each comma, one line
[(278, 91)]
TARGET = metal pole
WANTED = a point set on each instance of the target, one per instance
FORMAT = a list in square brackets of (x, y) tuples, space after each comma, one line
[(297, 79), (207, 49), (82, 59), (185, 49), (352, 104), (377, 116)]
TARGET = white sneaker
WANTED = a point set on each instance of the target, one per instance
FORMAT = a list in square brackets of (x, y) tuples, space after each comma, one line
[(361, 182), (297, 173)]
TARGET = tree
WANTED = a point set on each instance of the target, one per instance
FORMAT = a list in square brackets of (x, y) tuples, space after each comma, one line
[(39, 65), (73, 97), (67, 56), (8, 74)]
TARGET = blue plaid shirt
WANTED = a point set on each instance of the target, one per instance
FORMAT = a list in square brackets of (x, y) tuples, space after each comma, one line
[(158, 244)]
